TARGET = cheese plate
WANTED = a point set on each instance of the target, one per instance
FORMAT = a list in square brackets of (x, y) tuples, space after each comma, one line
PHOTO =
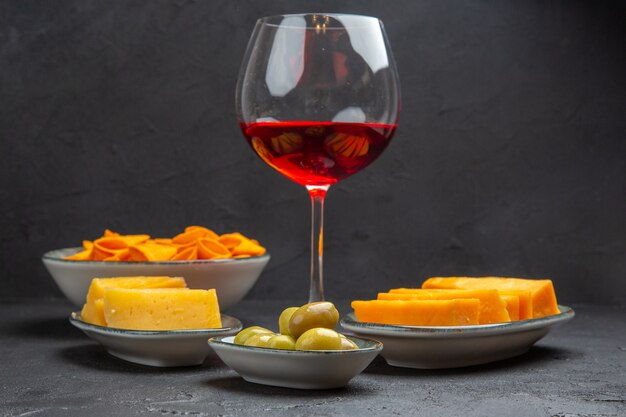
[(438, 347), (161, 348)]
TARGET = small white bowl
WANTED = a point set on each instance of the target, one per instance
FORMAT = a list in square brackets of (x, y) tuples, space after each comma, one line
[(231, 278), (157, 348), (311, 369), (438, 347)]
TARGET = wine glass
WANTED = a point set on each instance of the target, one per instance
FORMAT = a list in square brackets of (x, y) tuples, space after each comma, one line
[(318, 100)]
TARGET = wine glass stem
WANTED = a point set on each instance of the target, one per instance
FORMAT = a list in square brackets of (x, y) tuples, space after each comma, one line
[(317, 194)]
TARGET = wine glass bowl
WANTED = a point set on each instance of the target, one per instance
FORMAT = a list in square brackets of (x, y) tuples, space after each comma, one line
[(318, 100)]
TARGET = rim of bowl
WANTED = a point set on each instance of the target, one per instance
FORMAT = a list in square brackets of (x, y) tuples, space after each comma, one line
[(76, 320), (350, 322), (49, 256), (376, 345)]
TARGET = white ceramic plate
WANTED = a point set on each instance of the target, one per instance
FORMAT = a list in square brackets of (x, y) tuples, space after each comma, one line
[(309, 369), (231, 278), (452, 347), (157, 348)]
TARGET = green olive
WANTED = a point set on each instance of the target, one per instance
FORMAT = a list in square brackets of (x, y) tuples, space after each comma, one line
[(243, 335), (319, 338), (312, 315), (283, 320), (282, 341), (347, 344), (259, 340)]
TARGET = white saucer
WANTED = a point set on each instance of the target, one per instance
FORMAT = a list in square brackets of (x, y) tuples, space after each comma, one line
[(434, 347), (157, 348), (310, 369)]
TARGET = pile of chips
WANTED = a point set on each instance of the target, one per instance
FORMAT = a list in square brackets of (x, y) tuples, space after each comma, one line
[(196, 242)]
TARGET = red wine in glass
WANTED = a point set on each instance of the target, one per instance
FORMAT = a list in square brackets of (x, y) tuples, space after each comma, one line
[(318, 100), (317, 153)]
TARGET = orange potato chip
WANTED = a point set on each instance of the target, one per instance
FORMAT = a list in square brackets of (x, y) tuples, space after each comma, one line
[(117, 243), (187, 254), (231, 240), (212, 249), (188, 237), (134, 239), (207, 232), (146, 252), (100, 255), (121, 255), (180, 248), (110, 244), (247, 247), (162, 241), (238, 244), (196, 242)]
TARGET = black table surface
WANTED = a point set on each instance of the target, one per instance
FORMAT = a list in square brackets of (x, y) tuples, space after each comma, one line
[(49, 368)]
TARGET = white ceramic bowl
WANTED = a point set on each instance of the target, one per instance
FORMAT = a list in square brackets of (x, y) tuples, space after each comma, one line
[(231, 278), (157, 348), (434, 347), (309, 369)]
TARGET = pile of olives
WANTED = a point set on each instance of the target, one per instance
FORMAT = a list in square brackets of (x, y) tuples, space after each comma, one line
[(309, 327)]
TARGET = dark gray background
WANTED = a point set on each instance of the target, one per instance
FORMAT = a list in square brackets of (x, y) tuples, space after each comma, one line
[(510, 157)]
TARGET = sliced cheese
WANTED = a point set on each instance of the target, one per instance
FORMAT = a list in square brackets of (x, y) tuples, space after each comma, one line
[(512, 306), (94, 313), (418, 312), (161, 309), (492, 307), (542, 296), (93, 310)]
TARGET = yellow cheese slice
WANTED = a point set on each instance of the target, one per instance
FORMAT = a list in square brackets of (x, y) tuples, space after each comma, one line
[(418, 312), (543, 299), (161, 309), (94, 313), (93, 310), (492, 306)]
